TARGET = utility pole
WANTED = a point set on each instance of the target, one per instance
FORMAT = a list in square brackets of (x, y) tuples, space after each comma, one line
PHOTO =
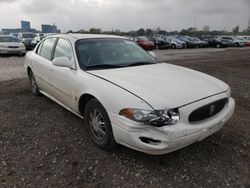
[(248, 27)]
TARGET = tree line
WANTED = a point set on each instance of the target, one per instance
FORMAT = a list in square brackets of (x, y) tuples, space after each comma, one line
[(149, 32)]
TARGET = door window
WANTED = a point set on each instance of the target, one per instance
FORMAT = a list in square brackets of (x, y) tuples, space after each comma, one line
[(63, 49), (47, 48)]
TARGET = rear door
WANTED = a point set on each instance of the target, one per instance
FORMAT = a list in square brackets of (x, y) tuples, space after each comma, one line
[(41, 62)]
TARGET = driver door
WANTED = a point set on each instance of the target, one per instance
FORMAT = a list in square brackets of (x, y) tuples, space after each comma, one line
[(63, 78)]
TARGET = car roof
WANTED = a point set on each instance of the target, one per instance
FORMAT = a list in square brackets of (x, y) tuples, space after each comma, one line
[(86, 36)]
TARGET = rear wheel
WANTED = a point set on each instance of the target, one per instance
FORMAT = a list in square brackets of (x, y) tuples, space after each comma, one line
[(98, 125), (218, 46), (34, 88), (237, 45)]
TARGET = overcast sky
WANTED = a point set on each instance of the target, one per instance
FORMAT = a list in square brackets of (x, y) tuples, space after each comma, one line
[(126, 14)]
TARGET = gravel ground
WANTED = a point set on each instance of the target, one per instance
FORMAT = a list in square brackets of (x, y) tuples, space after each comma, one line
[(44, 145)]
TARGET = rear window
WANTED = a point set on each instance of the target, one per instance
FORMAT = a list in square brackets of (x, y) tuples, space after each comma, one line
[(28, 35)]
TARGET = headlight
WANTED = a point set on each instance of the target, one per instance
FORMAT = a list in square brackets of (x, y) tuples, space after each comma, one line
[(156, 118)]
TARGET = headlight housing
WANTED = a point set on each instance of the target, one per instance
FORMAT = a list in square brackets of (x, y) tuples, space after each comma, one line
[(157, 117)]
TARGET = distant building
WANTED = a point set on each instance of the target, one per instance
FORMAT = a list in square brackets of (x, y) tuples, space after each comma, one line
[(206, 28), (7, 31), (25, 26), (49, 28)]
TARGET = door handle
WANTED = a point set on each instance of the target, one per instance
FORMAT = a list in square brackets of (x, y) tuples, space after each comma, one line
[(50, 69)]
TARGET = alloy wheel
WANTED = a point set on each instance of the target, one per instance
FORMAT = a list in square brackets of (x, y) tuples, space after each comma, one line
[(97, 124)]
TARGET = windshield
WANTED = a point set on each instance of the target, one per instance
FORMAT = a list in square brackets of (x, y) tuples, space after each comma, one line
[(110, 53), (9, 39)]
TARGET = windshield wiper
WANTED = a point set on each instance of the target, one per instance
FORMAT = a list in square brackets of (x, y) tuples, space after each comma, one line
[(103, 66), (139, 63)]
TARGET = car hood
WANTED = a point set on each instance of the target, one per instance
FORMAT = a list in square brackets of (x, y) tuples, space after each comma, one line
[(163, 85)]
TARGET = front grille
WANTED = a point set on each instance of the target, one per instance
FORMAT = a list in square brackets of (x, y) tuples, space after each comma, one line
[(12, 46), (208, 110)]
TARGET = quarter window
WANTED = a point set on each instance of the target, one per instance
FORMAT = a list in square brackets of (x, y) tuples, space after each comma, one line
[(63, 49), (47, 48)]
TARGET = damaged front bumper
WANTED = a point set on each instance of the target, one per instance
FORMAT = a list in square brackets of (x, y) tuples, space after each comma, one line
[(161, 140)]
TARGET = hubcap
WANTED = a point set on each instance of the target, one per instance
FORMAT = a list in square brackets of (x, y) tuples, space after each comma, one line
[(97, 124)]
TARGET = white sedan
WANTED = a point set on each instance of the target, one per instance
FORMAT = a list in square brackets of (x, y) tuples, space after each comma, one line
[(11, 45), (125, 95)]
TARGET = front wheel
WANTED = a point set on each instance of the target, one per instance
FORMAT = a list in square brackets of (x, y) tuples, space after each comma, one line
[(34, 88), (218, 46), (98, 125)]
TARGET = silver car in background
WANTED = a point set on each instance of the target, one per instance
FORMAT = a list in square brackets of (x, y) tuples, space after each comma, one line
[(11, 45)]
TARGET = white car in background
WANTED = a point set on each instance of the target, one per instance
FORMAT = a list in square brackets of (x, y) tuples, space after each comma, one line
[(11, 45), (125, 95), (176, 44)]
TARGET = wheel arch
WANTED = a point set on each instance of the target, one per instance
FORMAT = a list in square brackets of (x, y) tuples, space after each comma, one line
[(29, 70), (84, 99)]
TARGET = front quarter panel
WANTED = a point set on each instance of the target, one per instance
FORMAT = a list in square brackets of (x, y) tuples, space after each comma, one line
[(111, 96)]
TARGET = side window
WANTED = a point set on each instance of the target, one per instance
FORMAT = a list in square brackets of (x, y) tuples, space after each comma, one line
[(47, 47), (63, 49), (38, 51)]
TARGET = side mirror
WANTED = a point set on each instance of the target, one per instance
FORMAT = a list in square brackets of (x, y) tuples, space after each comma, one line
[(62, 62), (152, 53)]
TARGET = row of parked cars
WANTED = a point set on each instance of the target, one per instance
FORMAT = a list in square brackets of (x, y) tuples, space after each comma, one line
[(20, 43), (180, 41)]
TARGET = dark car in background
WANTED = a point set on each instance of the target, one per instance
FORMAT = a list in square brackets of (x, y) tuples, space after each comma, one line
[(36, 40), (218, 42), (26, 38), (200, 43), (144, 42), (189, 42), (161, 42)]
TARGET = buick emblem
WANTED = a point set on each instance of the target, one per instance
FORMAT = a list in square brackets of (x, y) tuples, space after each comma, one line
[(212, 110)]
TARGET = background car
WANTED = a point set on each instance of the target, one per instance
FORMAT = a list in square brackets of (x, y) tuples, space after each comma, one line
[(218, 42), (35, 41), (144, 42), (247, 38), (26, 38), (236, 42), (11, 45), (189, 43), (176, 43), (161, 42), (200, 43)]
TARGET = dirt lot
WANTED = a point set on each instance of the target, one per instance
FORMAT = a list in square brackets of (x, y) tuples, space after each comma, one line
[(44, 145)]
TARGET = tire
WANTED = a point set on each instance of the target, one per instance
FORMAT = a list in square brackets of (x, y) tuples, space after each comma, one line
[(173, 46), (98, 125), (34, 87), (218, 46), (237, 45)]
